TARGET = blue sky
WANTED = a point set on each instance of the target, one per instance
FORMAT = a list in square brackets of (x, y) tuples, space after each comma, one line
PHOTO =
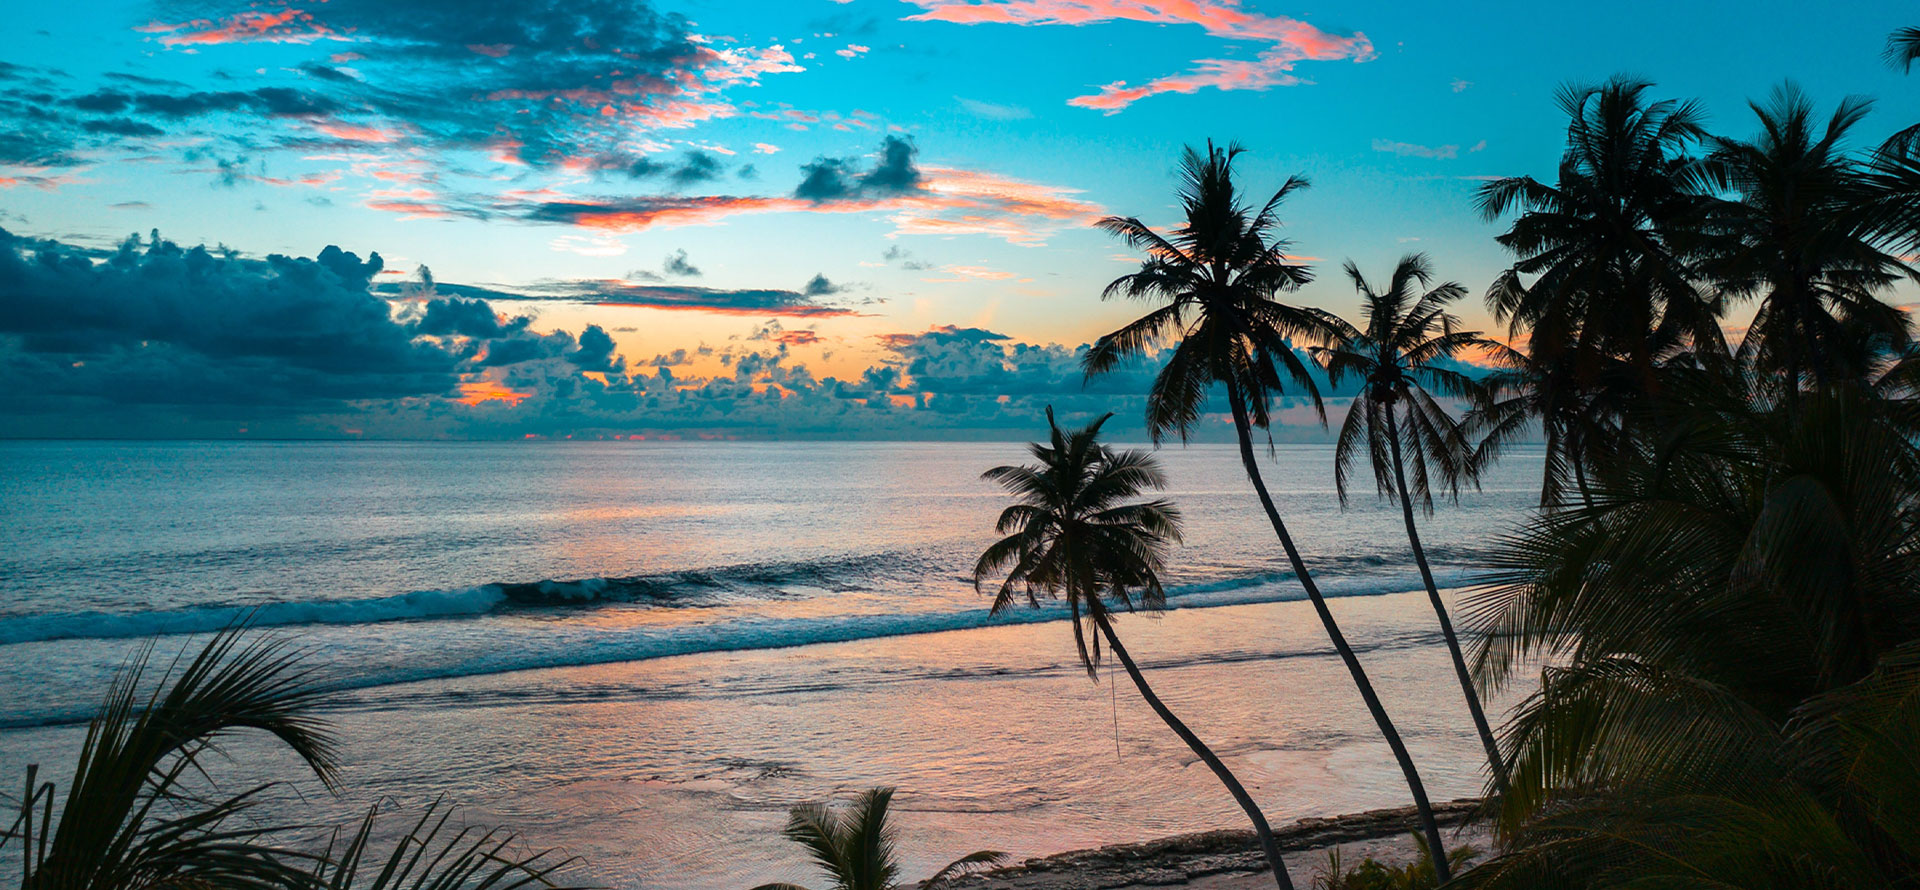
[(865, 218)]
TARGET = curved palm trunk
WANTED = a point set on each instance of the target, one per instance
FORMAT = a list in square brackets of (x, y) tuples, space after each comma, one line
[(1239, 792), (1431, 828), (1494, 762)]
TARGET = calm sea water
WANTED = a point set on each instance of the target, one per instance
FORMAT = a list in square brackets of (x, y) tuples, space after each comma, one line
[(643, 653)]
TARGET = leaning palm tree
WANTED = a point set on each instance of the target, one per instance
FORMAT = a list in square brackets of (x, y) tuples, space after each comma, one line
[(1804, 246), (1076, 534), (1398, 360), (140, 812), (855, 846), (1214, 278)]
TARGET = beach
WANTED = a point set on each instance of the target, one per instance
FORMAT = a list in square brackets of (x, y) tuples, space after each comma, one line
[(676, 770)]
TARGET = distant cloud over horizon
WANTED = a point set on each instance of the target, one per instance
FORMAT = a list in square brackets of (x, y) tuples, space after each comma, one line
[(153, 339)]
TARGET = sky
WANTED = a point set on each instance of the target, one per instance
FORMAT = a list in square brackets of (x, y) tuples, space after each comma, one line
[(803, 219)]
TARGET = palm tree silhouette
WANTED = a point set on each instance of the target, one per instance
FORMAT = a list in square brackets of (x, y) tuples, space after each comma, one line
[(1604, 275), (1803, 242), (1396, 418), (1903, 48), (1214, 279), (1579, 413), (855, 846), (1607, 246), (1076, 534), (137, 812)]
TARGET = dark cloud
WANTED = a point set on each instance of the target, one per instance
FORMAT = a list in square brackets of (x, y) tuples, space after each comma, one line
[(834, 179), (819, 286), (154, 324), (760, 302), (904, 258), (743, 301), (692, 168), (676, 265), (37, 148), (455, 316), (548, 81), (327, 72), (596, 353), (270, 101), (121, 127), (306, 329)]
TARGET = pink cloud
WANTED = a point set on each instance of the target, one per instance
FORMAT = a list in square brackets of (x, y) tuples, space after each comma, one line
[(1290, 41), (357, 132), (285, 26)]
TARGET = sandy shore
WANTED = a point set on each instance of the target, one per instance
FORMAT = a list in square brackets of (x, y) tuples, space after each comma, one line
[(1231, 859)]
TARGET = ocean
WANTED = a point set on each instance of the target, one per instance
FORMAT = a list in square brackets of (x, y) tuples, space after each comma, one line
[(643, 653)]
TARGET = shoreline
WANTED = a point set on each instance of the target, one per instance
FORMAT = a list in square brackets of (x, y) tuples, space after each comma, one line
[(1230, 858)]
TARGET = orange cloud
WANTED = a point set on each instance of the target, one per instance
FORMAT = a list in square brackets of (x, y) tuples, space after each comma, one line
[(473, 392), (285, 26)]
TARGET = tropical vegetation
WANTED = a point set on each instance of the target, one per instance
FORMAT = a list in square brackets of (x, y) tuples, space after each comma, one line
[(1213, 283), (143, 811), (855, 846), (1076, 533), (1710, 624)]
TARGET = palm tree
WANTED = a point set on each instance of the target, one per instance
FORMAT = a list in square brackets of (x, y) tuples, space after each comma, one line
[(1733, 690), (1606, 248), (1397, 359), (1903, 48), (1214, 279), (855, 846), (138, 812), (1577, 402), (1803, 244), (128, 820), (1603, 286), (1075, 534)]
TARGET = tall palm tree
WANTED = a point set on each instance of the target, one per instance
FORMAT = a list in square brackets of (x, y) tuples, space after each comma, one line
[(1803, 243), (1398, 359), (1603, 252), (1604, 282), (1214, 278), (139, 812), (855, 846), (1077, 534)]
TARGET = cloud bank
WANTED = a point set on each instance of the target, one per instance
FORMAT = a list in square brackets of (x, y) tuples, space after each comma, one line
[(152, 339)]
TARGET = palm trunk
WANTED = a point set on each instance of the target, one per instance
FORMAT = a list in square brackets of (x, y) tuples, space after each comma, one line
[(1240, 795), (1244, 428), (1494, 762)]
